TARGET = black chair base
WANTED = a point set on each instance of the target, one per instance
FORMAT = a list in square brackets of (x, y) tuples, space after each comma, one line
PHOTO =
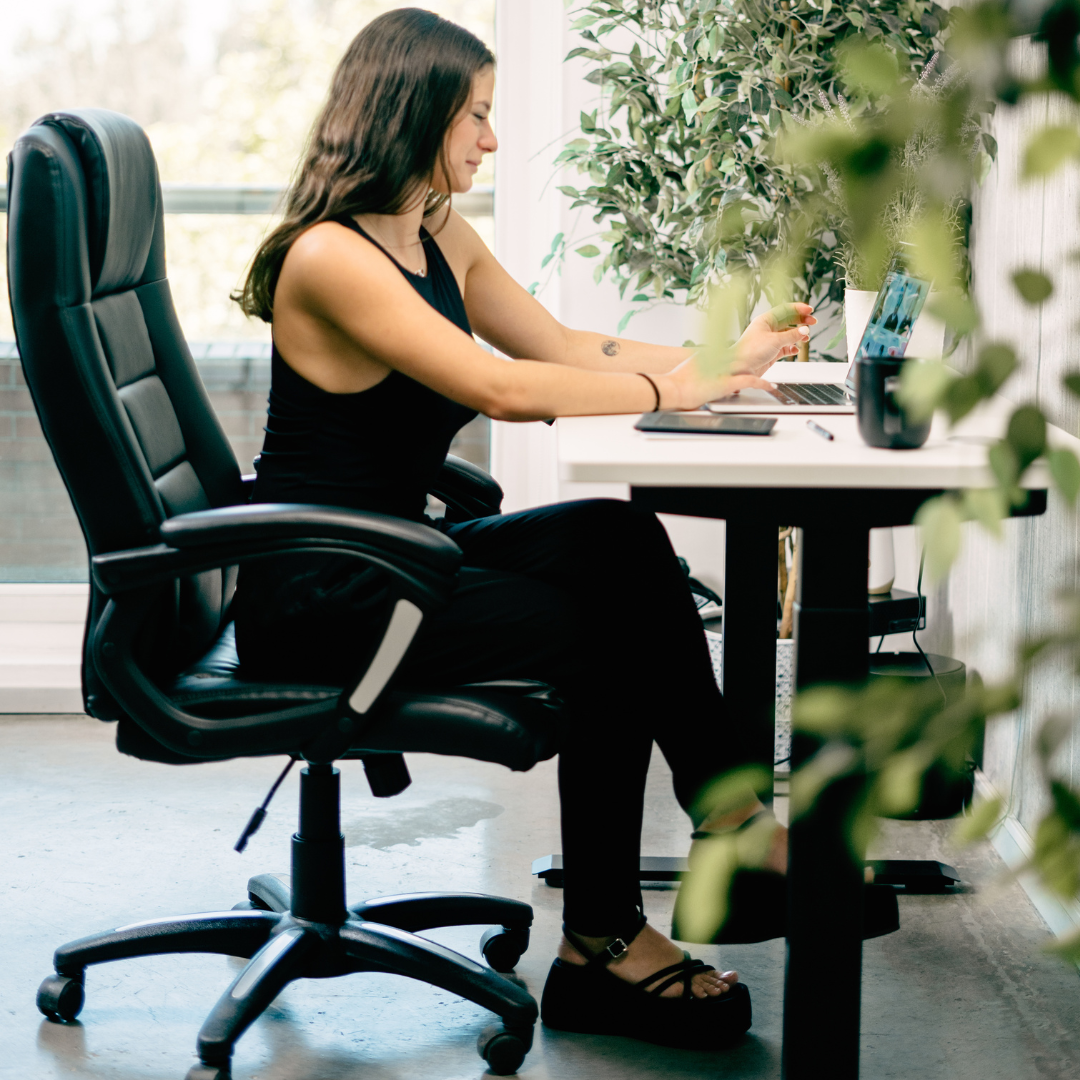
[(308, 933)]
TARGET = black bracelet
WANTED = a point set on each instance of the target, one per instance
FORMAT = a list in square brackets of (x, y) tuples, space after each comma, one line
[(656, 389)]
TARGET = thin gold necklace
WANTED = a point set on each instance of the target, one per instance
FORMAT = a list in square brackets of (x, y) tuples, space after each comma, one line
[(421, 271)]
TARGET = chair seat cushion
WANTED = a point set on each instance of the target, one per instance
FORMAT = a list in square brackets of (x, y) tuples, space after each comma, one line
[(515, 722)]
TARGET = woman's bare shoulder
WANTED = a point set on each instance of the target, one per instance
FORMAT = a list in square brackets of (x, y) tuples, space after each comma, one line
[(324, 238), (328, 250)]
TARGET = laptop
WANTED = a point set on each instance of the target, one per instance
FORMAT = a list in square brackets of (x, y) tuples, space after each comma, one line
[(898, 304)]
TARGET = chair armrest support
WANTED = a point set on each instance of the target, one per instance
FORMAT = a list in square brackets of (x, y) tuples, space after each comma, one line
[(423, 561), (467, 490)]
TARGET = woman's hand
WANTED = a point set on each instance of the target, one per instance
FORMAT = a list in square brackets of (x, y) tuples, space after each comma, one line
[(777, 333), (771, 336)]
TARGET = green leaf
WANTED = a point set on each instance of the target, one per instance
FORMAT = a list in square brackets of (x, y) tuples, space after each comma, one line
[(1065, 470), (1003, 464), (1072, 382), (627, 316), (961, 396), (987, 507), (900, 782), (873, 68), (995, 364), (731, 791), (589, 251), (556, 242), (638, 297), (923, 387), (1027, 434), (978, 822), (1049, 149), (956, 309), (703, 898), (1033, 286), (1066, 948), (940, 521), (822, 710)]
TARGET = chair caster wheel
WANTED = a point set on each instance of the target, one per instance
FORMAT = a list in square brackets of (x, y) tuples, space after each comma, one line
[(502, 947), (502, 1050), (245, 905), (60, 997), (208, 1072)]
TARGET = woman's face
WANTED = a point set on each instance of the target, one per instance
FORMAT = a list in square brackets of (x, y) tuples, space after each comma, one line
[(471, 136)]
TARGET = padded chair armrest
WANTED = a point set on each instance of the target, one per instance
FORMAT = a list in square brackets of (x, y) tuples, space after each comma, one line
[(467, 490), (423, 561), (288, 521)]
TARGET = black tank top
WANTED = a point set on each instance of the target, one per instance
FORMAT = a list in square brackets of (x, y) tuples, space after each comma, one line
[(378, 449)]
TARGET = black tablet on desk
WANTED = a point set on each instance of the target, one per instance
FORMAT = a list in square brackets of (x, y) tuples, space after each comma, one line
[(699, 423)]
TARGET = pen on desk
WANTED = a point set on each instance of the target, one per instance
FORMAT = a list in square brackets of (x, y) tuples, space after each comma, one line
[(817, 429)]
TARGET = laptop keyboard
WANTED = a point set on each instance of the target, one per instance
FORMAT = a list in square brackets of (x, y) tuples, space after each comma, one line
[(813, 393)]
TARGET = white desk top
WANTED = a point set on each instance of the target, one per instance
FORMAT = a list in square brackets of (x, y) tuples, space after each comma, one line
[(607, 449)]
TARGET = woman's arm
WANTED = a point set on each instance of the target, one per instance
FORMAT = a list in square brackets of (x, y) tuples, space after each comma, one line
[(345, 317), (517, 324)]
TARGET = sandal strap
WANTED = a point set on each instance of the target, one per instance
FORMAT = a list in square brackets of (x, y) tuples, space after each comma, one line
[(684, 972), (610, 952)]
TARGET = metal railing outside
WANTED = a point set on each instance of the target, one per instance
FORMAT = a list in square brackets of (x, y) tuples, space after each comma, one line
[(264, 199)]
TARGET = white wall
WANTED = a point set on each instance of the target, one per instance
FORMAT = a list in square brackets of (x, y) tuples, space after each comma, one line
[(1000, 593), (538, 102)]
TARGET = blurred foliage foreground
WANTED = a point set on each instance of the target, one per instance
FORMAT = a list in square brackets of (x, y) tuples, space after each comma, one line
[(878, 741)]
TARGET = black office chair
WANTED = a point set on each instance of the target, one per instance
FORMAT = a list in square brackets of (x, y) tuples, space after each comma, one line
[(162, 506)]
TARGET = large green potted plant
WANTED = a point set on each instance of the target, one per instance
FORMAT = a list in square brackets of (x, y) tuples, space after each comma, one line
[(679, 154)]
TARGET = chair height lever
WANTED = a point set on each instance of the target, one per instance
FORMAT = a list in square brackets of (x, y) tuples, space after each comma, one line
[(259, 816)]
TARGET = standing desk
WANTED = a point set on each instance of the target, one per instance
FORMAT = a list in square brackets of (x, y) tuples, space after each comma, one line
[(835, 492)]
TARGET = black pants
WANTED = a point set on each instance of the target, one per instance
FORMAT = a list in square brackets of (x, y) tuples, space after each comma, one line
[(589, 597)]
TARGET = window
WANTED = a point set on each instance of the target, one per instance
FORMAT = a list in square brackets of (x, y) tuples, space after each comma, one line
[(226, 90)]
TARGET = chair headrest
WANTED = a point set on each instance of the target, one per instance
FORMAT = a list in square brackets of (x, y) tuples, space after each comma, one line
[(123, 196)]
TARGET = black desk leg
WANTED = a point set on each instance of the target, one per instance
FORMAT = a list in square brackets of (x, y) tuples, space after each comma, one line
[(750, 582), (824, 947)]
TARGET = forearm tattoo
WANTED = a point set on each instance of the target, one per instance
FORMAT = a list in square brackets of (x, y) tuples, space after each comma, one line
[(609, 348)]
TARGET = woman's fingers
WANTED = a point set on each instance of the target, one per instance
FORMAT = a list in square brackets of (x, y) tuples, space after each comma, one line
[(734, 383)]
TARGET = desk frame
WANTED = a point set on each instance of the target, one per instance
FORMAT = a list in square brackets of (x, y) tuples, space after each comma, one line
[(825, 879)]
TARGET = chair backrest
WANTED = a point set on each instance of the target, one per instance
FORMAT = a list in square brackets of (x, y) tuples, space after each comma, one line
[(120, 401)]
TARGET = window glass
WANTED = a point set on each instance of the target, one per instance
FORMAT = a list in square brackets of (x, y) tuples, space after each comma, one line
[(226, 90)]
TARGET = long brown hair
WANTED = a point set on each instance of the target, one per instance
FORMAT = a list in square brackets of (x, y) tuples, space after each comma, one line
[(381, 133)]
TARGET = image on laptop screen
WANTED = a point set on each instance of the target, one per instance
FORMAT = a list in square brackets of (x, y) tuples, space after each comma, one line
[(898, 305)]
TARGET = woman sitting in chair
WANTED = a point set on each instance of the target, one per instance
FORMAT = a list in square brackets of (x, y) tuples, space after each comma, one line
[(375, 286)]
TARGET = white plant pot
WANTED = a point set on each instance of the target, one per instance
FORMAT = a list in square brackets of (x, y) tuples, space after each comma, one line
[(927, 335), (882, 570)]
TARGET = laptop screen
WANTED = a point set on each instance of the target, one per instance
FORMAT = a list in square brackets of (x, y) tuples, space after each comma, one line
[(898, 304)]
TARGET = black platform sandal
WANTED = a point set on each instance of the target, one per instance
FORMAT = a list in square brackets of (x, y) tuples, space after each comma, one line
[(590, 1000)]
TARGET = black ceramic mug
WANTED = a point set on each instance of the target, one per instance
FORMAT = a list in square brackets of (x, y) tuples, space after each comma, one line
[(882, 419)]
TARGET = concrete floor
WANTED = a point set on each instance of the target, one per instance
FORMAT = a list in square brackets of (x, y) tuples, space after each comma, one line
[(92, 840)]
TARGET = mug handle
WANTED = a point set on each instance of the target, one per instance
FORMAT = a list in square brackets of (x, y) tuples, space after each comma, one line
[(893, 420)]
